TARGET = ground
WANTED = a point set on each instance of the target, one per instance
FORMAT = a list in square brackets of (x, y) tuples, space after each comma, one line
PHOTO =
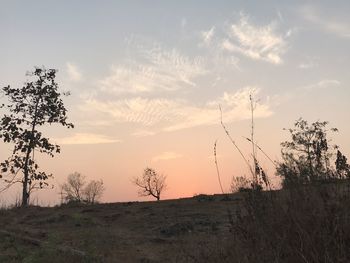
[(164, 231)]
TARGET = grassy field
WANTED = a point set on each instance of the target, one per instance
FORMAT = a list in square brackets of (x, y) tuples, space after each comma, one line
[(117, 232), (305, 224)]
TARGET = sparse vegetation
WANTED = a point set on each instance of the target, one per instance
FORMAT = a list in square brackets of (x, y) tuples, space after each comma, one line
[(307, 157), (308, 222), (239, 184), (302, 224), (151, 183), (128, 232), (259, 178)]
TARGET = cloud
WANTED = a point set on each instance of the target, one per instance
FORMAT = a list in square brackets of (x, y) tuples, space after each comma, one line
[(307, 65), (74, 73), (143, 133), (326, 83), (280, 16), (207, 36), (86, 138), (144, 111), (166, 156), (330, 24), (176, 114), (255, 42), (156, 70)]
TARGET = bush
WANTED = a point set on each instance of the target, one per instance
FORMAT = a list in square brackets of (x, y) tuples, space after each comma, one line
[(303, 224), (239, 184), (307, 157)]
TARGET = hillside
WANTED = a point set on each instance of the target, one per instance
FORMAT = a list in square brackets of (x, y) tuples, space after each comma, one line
[(308, 223), (116, 232)]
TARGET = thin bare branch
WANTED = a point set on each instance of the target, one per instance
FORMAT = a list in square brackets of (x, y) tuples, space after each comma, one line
[(262, 151), (217, 167), (234, 144)]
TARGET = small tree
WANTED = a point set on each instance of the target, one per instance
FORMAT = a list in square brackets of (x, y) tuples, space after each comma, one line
[(306, 158), (34, 105), (150, 183), (342, 167), (93, 191), (76, 190), (72, 190)]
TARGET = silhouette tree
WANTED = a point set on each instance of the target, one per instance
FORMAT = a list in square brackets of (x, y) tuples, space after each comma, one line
[(150, 183), (76, 190), (73, 189), (93, 191), (36, 104), (341, 166), (306, 158)]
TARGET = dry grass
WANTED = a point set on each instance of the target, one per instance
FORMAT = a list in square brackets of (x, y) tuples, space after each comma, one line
[(120, 232), (303, 224)]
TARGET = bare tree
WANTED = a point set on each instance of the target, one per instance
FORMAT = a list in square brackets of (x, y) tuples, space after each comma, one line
[(150, 183), (72, 190), (93, 191), (76, 190)]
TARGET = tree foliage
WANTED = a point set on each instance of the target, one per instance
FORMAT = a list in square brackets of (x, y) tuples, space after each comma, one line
[(150, 183), (341, 166), (30, 107), (307, 157)]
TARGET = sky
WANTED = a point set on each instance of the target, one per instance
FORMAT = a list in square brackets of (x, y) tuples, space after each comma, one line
[(147, 78)]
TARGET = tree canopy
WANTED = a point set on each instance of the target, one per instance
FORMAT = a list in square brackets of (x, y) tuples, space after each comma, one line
[(30, 107), (308, 156)]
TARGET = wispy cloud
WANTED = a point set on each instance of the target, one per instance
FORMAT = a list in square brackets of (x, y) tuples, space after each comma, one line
[(73, 72), (158, 69), (307, 65), (323, 84), (279, 14), (207, 36), (143, 133), (255, 42), (326, 22), (176, 114), (166, 156), (86, 138)]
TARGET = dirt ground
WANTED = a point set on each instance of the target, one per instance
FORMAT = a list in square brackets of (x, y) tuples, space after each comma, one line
[(164, 231)]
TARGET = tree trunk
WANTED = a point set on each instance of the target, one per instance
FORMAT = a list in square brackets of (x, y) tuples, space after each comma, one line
[(25, 192), (25, 195)]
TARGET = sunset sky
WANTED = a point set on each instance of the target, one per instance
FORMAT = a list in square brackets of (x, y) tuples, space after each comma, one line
[(147, 78)]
